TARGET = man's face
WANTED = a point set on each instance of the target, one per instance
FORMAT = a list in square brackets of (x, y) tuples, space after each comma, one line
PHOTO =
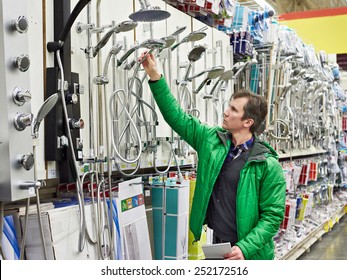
[(232, 117)]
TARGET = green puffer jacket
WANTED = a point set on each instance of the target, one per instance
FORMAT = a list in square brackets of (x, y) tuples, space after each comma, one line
[(261, 190)]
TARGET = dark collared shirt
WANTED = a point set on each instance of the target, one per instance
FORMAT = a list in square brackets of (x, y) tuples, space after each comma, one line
[(235, 152), (221, 212)]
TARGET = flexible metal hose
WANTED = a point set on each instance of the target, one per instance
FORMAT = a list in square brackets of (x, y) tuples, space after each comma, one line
[(78, 183)]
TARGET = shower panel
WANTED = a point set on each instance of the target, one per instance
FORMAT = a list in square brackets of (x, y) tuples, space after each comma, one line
[(16, 145)]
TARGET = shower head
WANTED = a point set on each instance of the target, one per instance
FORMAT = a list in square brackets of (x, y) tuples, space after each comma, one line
[(285, 89), (195, 36), (149, 13), (248, 62), (212, 73), (121, 27), (293, 81), (149, 44), (308, 78), (298, 72), (237, 66), (293, 56), (113, 51), (194, 55), (215, 72), (226, 76), (179, 31), (191, 37), (152, 44), (125, 26), (169, 40), (46, 107)]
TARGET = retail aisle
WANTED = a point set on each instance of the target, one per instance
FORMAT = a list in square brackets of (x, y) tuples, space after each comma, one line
[(333, 245)]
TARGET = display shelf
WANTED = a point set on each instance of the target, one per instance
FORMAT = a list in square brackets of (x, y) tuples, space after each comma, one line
[(305, 244), (301, 153)]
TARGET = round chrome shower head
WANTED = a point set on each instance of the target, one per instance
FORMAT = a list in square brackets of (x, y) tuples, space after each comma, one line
[(151, 13), (153, 44), (191, 37), (215, 72), (196, 53), (293, 81), (212, 73), (195, 36), (121, 27), (125, 26), (226, 76), (169, 40)]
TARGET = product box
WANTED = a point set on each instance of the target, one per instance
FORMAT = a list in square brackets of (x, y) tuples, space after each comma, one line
[(61, 232), (18, 210), (170, 220), (133, 224)]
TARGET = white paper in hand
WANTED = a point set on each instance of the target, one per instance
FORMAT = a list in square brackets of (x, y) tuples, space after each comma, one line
[(216, 251)]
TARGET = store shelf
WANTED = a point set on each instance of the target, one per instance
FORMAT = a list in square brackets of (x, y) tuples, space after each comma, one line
[(305, 244), (301, 153)]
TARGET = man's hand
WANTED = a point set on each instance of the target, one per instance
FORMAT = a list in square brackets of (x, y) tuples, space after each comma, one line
[(150, 65), (236, 254)]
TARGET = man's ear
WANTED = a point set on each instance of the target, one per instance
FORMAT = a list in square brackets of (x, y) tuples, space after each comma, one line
[(248, 122)]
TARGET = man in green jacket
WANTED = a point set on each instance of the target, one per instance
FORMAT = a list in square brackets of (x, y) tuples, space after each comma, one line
[(240, 188)]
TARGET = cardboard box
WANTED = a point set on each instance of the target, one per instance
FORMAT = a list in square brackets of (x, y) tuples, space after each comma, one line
[(61, 232), (170, 221)]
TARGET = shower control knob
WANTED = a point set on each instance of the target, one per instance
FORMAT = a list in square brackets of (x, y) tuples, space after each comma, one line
[(71, 98), (20, 96), (21, 24), (22, 120), (26, 161), (26, 185), (76, 123), (22, 62)]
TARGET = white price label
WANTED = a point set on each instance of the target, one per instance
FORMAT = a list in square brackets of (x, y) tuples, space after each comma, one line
[(200, 3), (215, 7), (228, 22)]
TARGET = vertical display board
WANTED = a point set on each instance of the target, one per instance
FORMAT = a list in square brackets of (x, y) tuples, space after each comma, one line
[(16, 145)]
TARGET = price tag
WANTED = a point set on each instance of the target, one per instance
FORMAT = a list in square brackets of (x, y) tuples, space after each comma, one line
[(228, 22), (200, 3), (326, 227), (215, 7), (331, 223)]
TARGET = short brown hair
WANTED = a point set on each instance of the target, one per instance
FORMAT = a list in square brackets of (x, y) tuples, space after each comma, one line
[(255, 108)]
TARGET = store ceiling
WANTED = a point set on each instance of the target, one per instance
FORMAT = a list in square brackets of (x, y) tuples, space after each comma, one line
[(288, 6)]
